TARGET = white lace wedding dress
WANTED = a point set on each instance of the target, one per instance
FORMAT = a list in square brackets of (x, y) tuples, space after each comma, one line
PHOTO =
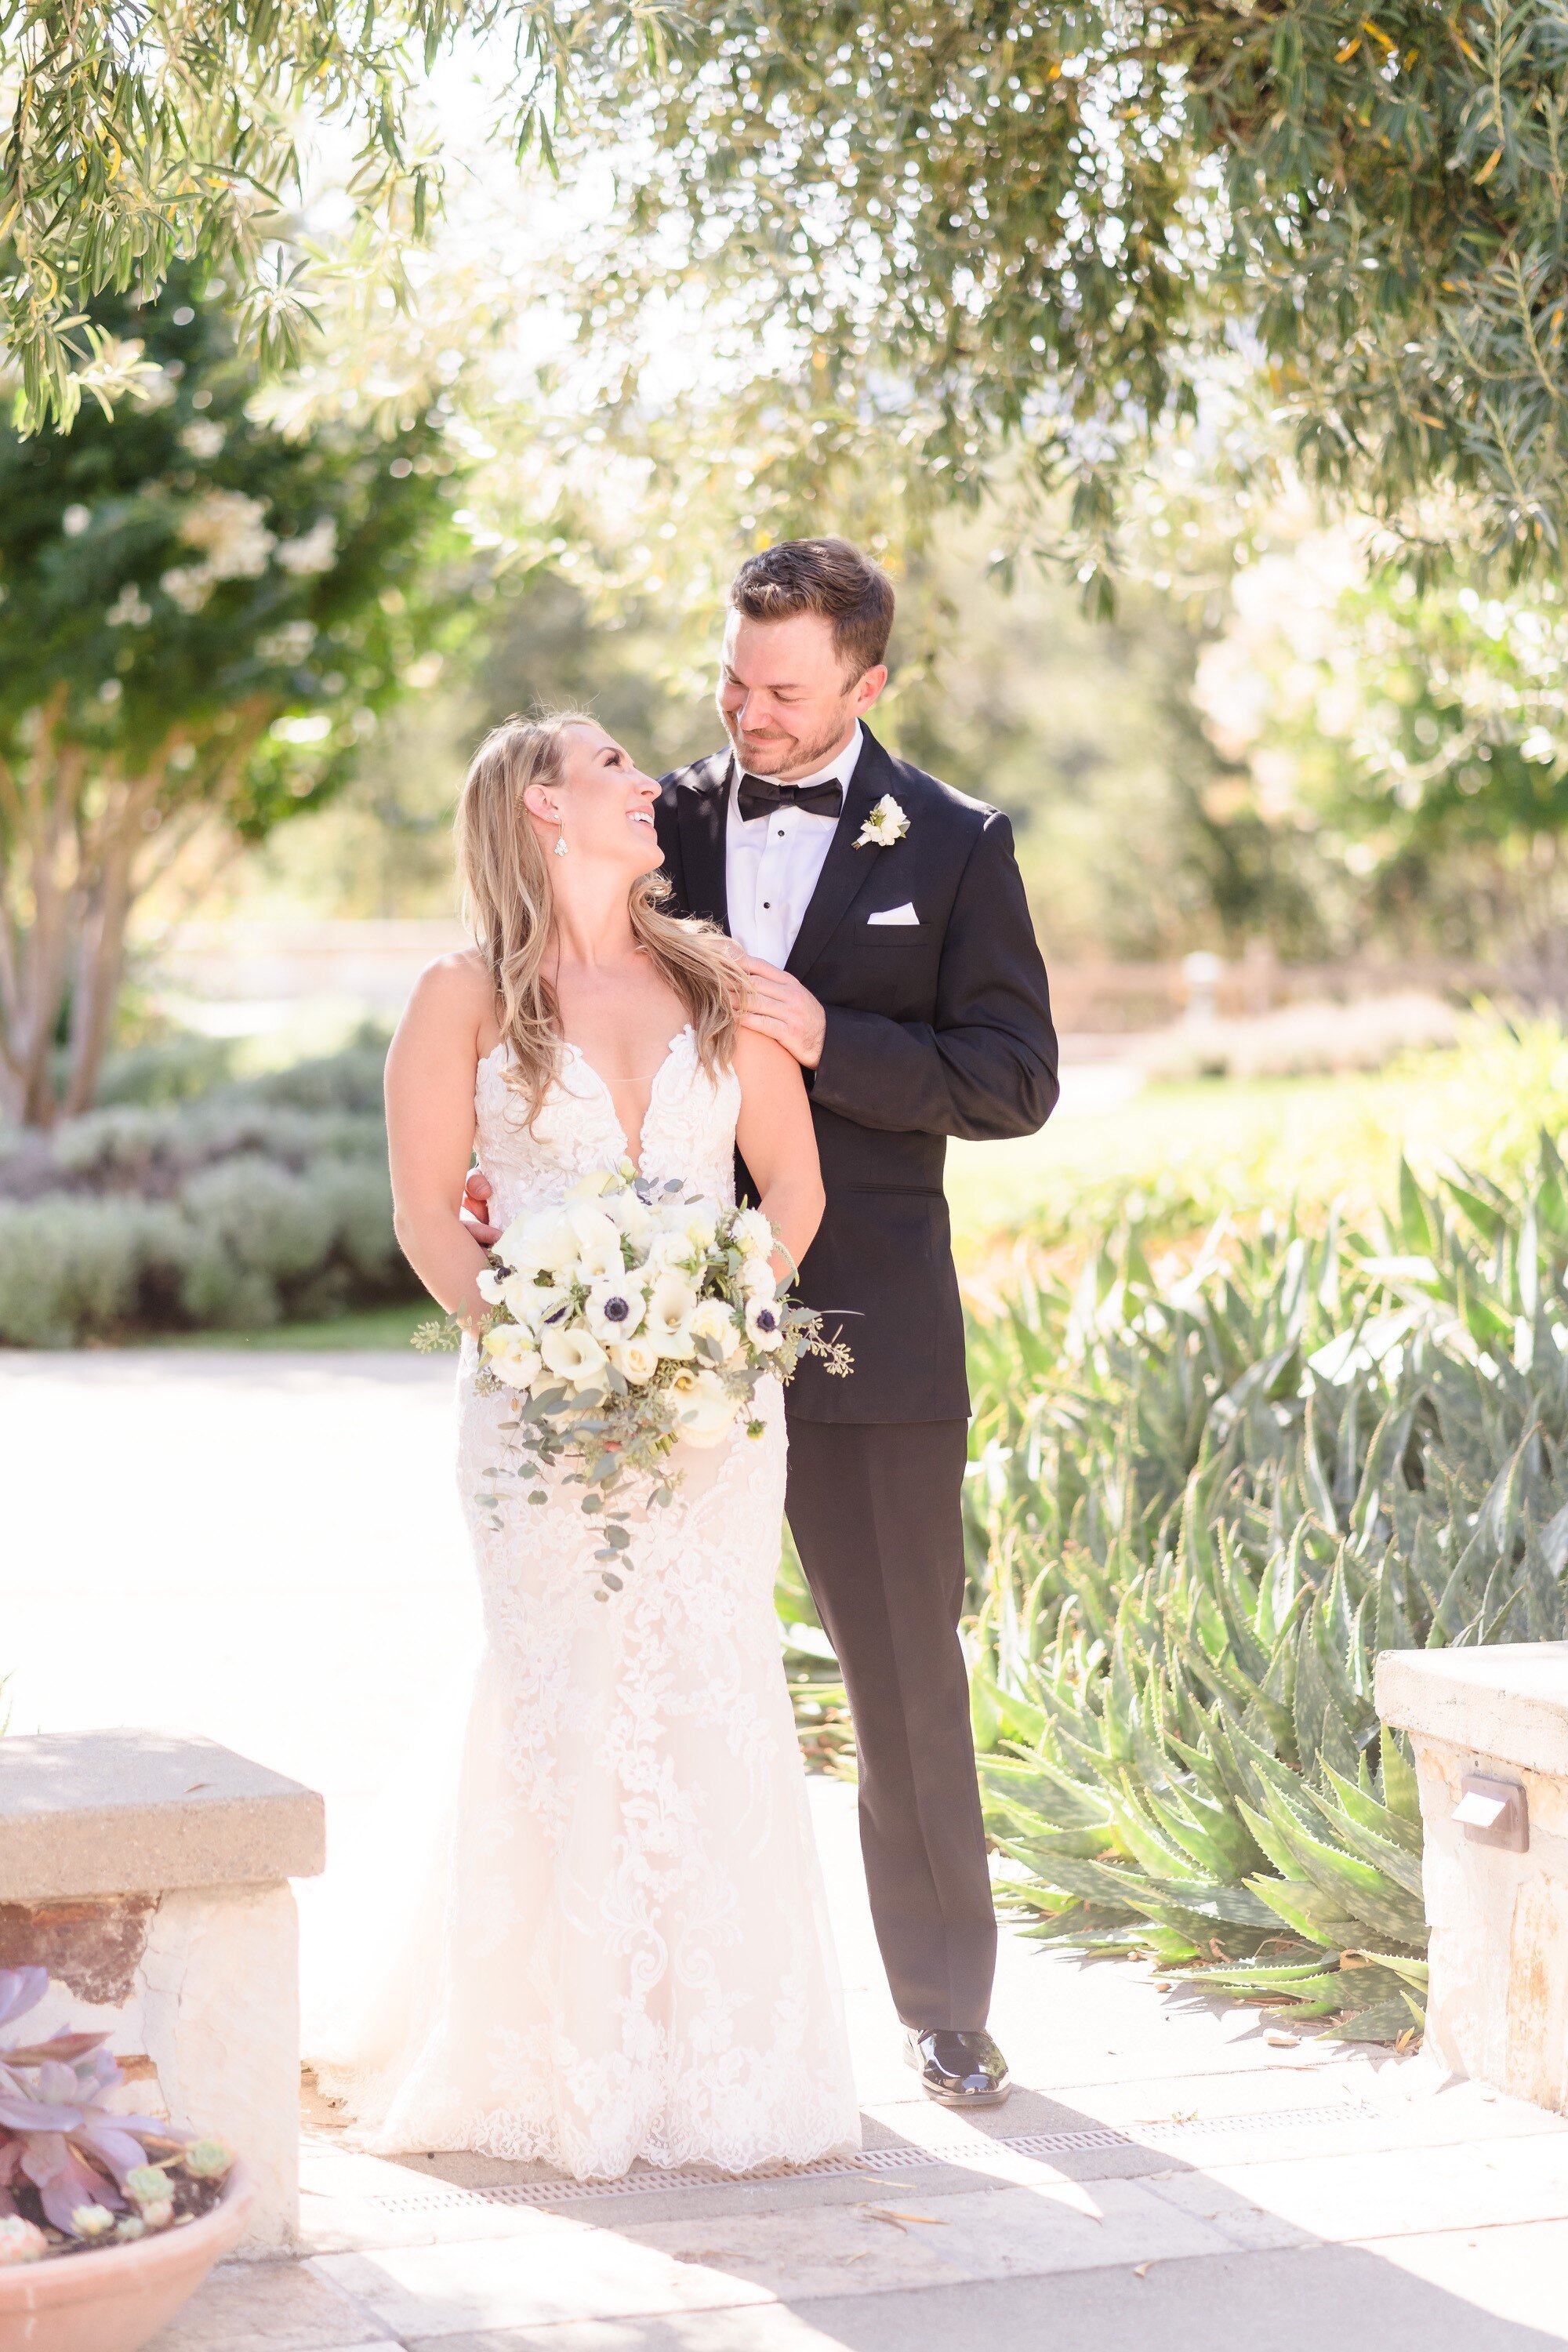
[(626, 1954)]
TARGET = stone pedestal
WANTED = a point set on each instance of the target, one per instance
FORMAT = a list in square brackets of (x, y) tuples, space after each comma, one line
[(150, 1876), (1496, 1855)]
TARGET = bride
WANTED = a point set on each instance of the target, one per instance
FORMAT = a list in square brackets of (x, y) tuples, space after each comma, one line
[(626, 1954)]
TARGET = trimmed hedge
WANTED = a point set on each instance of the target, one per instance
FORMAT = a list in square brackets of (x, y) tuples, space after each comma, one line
[(262, 1201)]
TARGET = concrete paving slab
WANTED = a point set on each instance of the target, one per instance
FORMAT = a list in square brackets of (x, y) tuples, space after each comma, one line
[(1412, 2190), (268, 2307), (904, 2241), (529, 2281), (1359, 2299)]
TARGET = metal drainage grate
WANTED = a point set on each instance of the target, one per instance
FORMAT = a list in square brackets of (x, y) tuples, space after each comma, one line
[(905, 2158)]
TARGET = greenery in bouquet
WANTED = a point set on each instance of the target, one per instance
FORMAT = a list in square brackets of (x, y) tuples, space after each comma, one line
[(629, 1320)]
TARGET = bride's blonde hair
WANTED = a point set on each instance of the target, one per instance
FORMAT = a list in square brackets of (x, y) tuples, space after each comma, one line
[(510, 910)]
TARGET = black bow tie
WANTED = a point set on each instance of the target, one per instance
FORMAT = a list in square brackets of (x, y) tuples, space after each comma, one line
[(759, 797)]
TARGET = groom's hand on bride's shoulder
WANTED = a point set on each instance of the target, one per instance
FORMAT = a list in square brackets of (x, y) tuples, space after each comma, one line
[(476, 1208), (778, 1006)]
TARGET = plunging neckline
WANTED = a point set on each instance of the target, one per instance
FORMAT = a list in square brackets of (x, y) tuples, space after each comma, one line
[(637, 1157)]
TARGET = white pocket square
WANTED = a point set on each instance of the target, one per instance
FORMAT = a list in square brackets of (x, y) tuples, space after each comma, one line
[(904, 914)]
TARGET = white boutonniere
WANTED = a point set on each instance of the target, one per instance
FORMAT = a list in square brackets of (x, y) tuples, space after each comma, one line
[(886, 825)]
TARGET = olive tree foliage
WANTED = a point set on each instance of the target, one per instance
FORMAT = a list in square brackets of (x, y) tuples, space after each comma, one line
[(135, 132), (1039, 226), (983, 227), (201, 616)]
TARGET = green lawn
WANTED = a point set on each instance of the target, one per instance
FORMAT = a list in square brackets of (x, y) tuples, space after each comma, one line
[(382, 1327)]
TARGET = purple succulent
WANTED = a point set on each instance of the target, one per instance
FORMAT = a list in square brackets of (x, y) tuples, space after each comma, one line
[(55, 2130)]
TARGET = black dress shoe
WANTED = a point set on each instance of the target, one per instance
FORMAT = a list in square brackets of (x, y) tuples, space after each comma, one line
[(958, 2069)]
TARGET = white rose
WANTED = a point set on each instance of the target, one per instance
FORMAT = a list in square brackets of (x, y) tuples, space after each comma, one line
[(637, 1360), (752, 1233), (511, 1355), (756, 1279), (707, 1410), (615, 1307), (670, 1303), (713, 1320), (575, 1355), (763, 1327), (540, 1242)]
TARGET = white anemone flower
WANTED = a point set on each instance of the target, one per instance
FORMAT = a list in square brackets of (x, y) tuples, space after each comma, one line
[(488, 1283), (637, 1360), (752, 1233), (670, 1303), (574, 1354), (511, 1355), (615, 1307), (764, 1325), (706, 1408), (713, 1320)]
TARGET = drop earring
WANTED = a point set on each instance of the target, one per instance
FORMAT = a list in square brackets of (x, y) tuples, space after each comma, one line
[(560, 843)]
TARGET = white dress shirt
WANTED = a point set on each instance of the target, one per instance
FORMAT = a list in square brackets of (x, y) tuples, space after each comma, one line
[(772, 864)]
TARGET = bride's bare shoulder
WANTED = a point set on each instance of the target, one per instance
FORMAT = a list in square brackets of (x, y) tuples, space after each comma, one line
[(452, 998)]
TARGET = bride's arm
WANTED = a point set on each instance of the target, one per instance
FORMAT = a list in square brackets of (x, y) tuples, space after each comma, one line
[(430, 1072), (778, 1144)]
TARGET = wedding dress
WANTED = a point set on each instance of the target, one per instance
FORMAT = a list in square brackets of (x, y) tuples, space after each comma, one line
[(626, 1954)]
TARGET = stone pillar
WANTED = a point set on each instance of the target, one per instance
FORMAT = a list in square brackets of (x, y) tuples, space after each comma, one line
[(1495, 1865), (149, 1875)]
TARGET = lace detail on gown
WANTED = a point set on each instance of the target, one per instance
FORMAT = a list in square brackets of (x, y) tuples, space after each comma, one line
[(627, 1953)]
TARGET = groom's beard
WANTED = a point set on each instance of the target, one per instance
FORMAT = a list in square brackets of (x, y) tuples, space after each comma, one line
[(785, 759)]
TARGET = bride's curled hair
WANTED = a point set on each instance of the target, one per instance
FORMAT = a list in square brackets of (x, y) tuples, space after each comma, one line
[(510, 907)]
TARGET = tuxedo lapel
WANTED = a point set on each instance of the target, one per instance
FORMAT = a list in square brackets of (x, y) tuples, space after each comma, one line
[(844, 870), (702, 811)]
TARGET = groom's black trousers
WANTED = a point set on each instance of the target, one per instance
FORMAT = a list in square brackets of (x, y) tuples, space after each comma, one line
[(876, 1513)]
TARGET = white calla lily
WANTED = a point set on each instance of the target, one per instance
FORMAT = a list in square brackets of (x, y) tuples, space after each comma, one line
[(574, 1354), (707, 1410), (670, 1303)]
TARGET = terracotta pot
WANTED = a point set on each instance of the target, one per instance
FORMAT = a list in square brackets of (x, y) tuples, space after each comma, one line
[(114, 2299)]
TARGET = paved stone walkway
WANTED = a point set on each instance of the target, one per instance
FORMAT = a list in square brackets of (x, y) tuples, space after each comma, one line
[(225, 1541)]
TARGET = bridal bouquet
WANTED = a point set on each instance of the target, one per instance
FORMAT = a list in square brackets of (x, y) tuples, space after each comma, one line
[(629, 1320)]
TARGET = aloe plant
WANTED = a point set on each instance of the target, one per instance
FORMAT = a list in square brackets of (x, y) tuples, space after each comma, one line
[(1201, 1499)]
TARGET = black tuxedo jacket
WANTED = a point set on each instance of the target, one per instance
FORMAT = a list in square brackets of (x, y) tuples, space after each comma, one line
[(936, 1028)]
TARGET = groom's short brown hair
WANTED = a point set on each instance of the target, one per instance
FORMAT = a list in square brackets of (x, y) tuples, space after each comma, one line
[(827, 576)]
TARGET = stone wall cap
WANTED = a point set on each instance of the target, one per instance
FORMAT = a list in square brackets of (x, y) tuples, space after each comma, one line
[(1509, 1700), (135, 1812)]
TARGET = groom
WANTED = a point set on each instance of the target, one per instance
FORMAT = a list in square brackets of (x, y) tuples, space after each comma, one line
[(890, 949)]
